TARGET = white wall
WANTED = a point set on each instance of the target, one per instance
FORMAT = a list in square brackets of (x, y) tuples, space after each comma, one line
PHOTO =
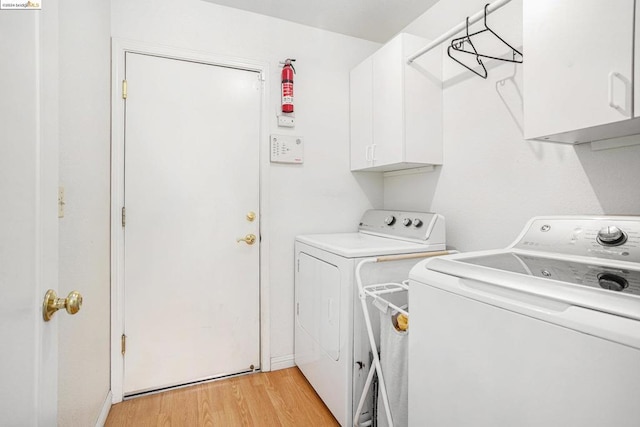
[(84, 363), (492, 180), (319, 196)]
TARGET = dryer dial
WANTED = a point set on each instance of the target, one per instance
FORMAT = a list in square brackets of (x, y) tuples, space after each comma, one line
[(390, 220), (406, 222)]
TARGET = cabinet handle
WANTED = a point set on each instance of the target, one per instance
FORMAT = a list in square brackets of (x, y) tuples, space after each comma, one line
[(366, 153), (612, 104), (373, 152)]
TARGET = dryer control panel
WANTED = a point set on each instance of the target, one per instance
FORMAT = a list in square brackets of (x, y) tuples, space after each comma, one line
[(421, 227)]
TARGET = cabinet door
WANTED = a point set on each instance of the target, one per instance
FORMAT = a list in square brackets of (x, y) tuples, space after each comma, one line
[(578, 64), (388, 123), (422, 104), (360, 95)]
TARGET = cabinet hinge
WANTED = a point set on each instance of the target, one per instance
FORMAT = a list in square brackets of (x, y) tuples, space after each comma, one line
[(123, 344), (124, 89), (124, 216), (298, 265), (298, 308)]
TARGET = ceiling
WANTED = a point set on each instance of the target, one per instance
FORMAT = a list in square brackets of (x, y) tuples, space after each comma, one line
[(375, 20)]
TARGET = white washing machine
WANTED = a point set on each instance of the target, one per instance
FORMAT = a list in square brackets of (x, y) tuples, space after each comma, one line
[(543, 333), (331, 347)]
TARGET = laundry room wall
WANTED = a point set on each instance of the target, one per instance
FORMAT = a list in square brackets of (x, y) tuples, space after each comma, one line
[(319, 196), (84, 237), (492, 180)]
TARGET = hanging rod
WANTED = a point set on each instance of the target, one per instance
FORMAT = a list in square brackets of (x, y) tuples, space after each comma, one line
[(455, 30)]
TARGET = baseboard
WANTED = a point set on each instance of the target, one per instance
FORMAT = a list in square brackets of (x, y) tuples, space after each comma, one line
[(104, 413), (282, 362)]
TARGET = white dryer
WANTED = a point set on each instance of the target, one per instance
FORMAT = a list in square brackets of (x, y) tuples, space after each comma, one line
[(543, 333), (331, 347)]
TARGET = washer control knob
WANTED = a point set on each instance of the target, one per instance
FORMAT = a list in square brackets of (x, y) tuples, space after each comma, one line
[(417, 223), (390, 220), (612, 282), (406, 222), (611, 236)]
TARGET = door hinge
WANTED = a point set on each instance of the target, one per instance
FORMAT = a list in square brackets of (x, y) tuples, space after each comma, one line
[(123, 344), (124, 216), (124, 89)]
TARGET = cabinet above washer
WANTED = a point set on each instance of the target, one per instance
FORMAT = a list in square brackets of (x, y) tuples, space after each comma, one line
[(396, 108), (579, 70)]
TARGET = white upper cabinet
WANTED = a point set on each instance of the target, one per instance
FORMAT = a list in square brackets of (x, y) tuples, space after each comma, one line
[(578, 69), (396, 109)]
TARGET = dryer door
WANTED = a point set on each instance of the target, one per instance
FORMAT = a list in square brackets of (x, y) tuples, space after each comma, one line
[(318, 305)]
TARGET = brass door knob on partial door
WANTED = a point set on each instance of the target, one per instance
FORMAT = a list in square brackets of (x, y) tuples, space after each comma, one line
[(52, 303), (249, 239)]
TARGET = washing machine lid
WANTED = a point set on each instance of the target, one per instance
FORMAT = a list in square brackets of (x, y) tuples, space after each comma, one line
[(590, 274), (614, 316), (559, 259), (480, 269), (358, 245)]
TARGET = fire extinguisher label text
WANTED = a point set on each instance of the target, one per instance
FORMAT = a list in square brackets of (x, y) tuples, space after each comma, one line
[(287, 96), (287, 89)]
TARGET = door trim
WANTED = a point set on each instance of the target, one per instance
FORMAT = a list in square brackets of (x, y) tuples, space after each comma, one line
[(118, 49)]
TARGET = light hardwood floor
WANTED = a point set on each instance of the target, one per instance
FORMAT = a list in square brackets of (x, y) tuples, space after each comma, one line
[(279, 398)]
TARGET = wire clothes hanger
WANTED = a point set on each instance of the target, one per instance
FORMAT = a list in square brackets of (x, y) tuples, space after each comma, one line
[(458, 44)]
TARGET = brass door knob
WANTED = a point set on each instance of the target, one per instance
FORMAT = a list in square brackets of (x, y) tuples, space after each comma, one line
[(52, 303), (249, 239), (251, 216)]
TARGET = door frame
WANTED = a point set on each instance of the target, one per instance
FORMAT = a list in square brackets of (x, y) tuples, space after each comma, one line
[(118, 49)]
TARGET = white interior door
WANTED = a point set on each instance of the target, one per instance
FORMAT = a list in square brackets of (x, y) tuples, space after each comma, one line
[(28, 220), (191, 179)]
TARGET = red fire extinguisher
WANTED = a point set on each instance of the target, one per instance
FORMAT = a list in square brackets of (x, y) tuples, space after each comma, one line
[(287, 86)]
